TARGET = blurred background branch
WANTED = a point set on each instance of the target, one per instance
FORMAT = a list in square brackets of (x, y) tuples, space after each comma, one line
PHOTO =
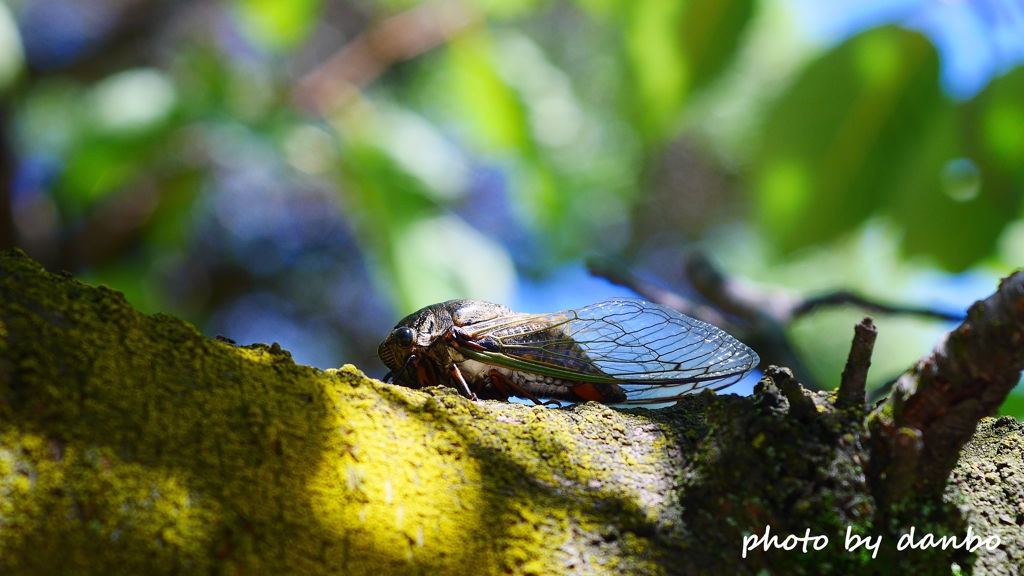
[(758, 317), (396, 39)]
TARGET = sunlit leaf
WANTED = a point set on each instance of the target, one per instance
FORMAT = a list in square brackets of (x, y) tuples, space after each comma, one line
[(496, 110), (965, 182), (388, 196), (982, 180), (421, 150), (491, 105), (12, 56), (866, 131), (386, 201), (441, 258), (672, 49), (132, 101), (507, 8), (660, 70), (278, 25)]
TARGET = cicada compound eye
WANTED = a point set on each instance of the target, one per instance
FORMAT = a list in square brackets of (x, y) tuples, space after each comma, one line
[(403, 336)]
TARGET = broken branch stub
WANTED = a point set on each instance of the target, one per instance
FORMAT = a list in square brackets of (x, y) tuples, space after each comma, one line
[(854, 379)]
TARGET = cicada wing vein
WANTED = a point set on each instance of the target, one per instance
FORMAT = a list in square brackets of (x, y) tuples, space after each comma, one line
[(643, 346)]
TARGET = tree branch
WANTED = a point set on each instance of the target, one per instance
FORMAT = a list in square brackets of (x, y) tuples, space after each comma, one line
[(934, 408), (131, 443)]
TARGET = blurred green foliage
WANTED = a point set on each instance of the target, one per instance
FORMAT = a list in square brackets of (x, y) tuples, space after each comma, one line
[(865, 130), (175, 151)]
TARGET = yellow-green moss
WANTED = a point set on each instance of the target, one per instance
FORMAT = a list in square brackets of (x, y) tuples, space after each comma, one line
[(131, 443)]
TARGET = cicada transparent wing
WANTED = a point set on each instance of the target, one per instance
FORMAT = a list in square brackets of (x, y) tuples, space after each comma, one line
[(652, 352)]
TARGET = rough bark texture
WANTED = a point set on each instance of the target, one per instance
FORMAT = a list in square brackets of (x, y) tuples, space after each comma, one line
[(934, 408), (132, 444), (852, 384)]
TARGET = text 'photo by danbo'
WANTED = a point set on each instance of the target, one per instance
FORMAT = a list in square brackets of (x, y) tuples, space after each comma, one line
[(512, 287)]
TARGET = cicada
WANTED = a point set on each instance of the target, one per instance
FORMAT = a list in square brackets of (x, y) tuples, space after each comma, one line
[(617, 351)]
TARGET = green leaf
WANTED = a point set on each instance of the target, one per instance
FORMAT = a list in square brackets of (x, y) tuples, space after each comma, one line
[(388, 201), (993, 130), (132, 102), (441, 258), (426, 255), (834, 146), (660, 70), (498, 114), (1013, 405), (711, 32), (942, 201), (866, 131), (964, 183), (388, 196), (95, 170), (278, 25), (170, 228), (492, 106), (12, 56), (673, 48)]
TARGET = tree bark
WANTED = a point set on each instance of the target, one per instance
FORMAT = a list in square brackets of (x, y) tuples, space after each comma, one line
[(132, 444)]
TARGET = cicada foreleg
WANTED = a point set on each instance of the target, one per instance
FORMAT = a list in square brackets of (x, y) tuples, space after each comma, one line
[(460, 383), (393, 377), (457, 337)]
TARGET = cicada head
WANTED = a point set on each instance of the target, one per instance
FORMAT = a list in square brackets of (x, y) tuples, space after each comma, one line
[(405, 350)]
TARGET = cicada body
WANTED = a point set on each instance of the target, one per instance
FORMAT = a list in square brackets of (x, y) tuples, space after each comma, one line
[(617, 351)]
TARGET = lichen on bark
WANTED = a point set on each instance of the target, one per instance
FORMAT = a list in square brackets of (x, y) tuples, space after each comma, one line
[(132, 444)]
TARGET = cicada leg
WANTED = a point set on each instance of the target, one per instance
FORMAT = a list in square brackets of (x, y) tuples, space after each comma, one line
[(458, 337), (504, 383), (393, 377), (460, 383)]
